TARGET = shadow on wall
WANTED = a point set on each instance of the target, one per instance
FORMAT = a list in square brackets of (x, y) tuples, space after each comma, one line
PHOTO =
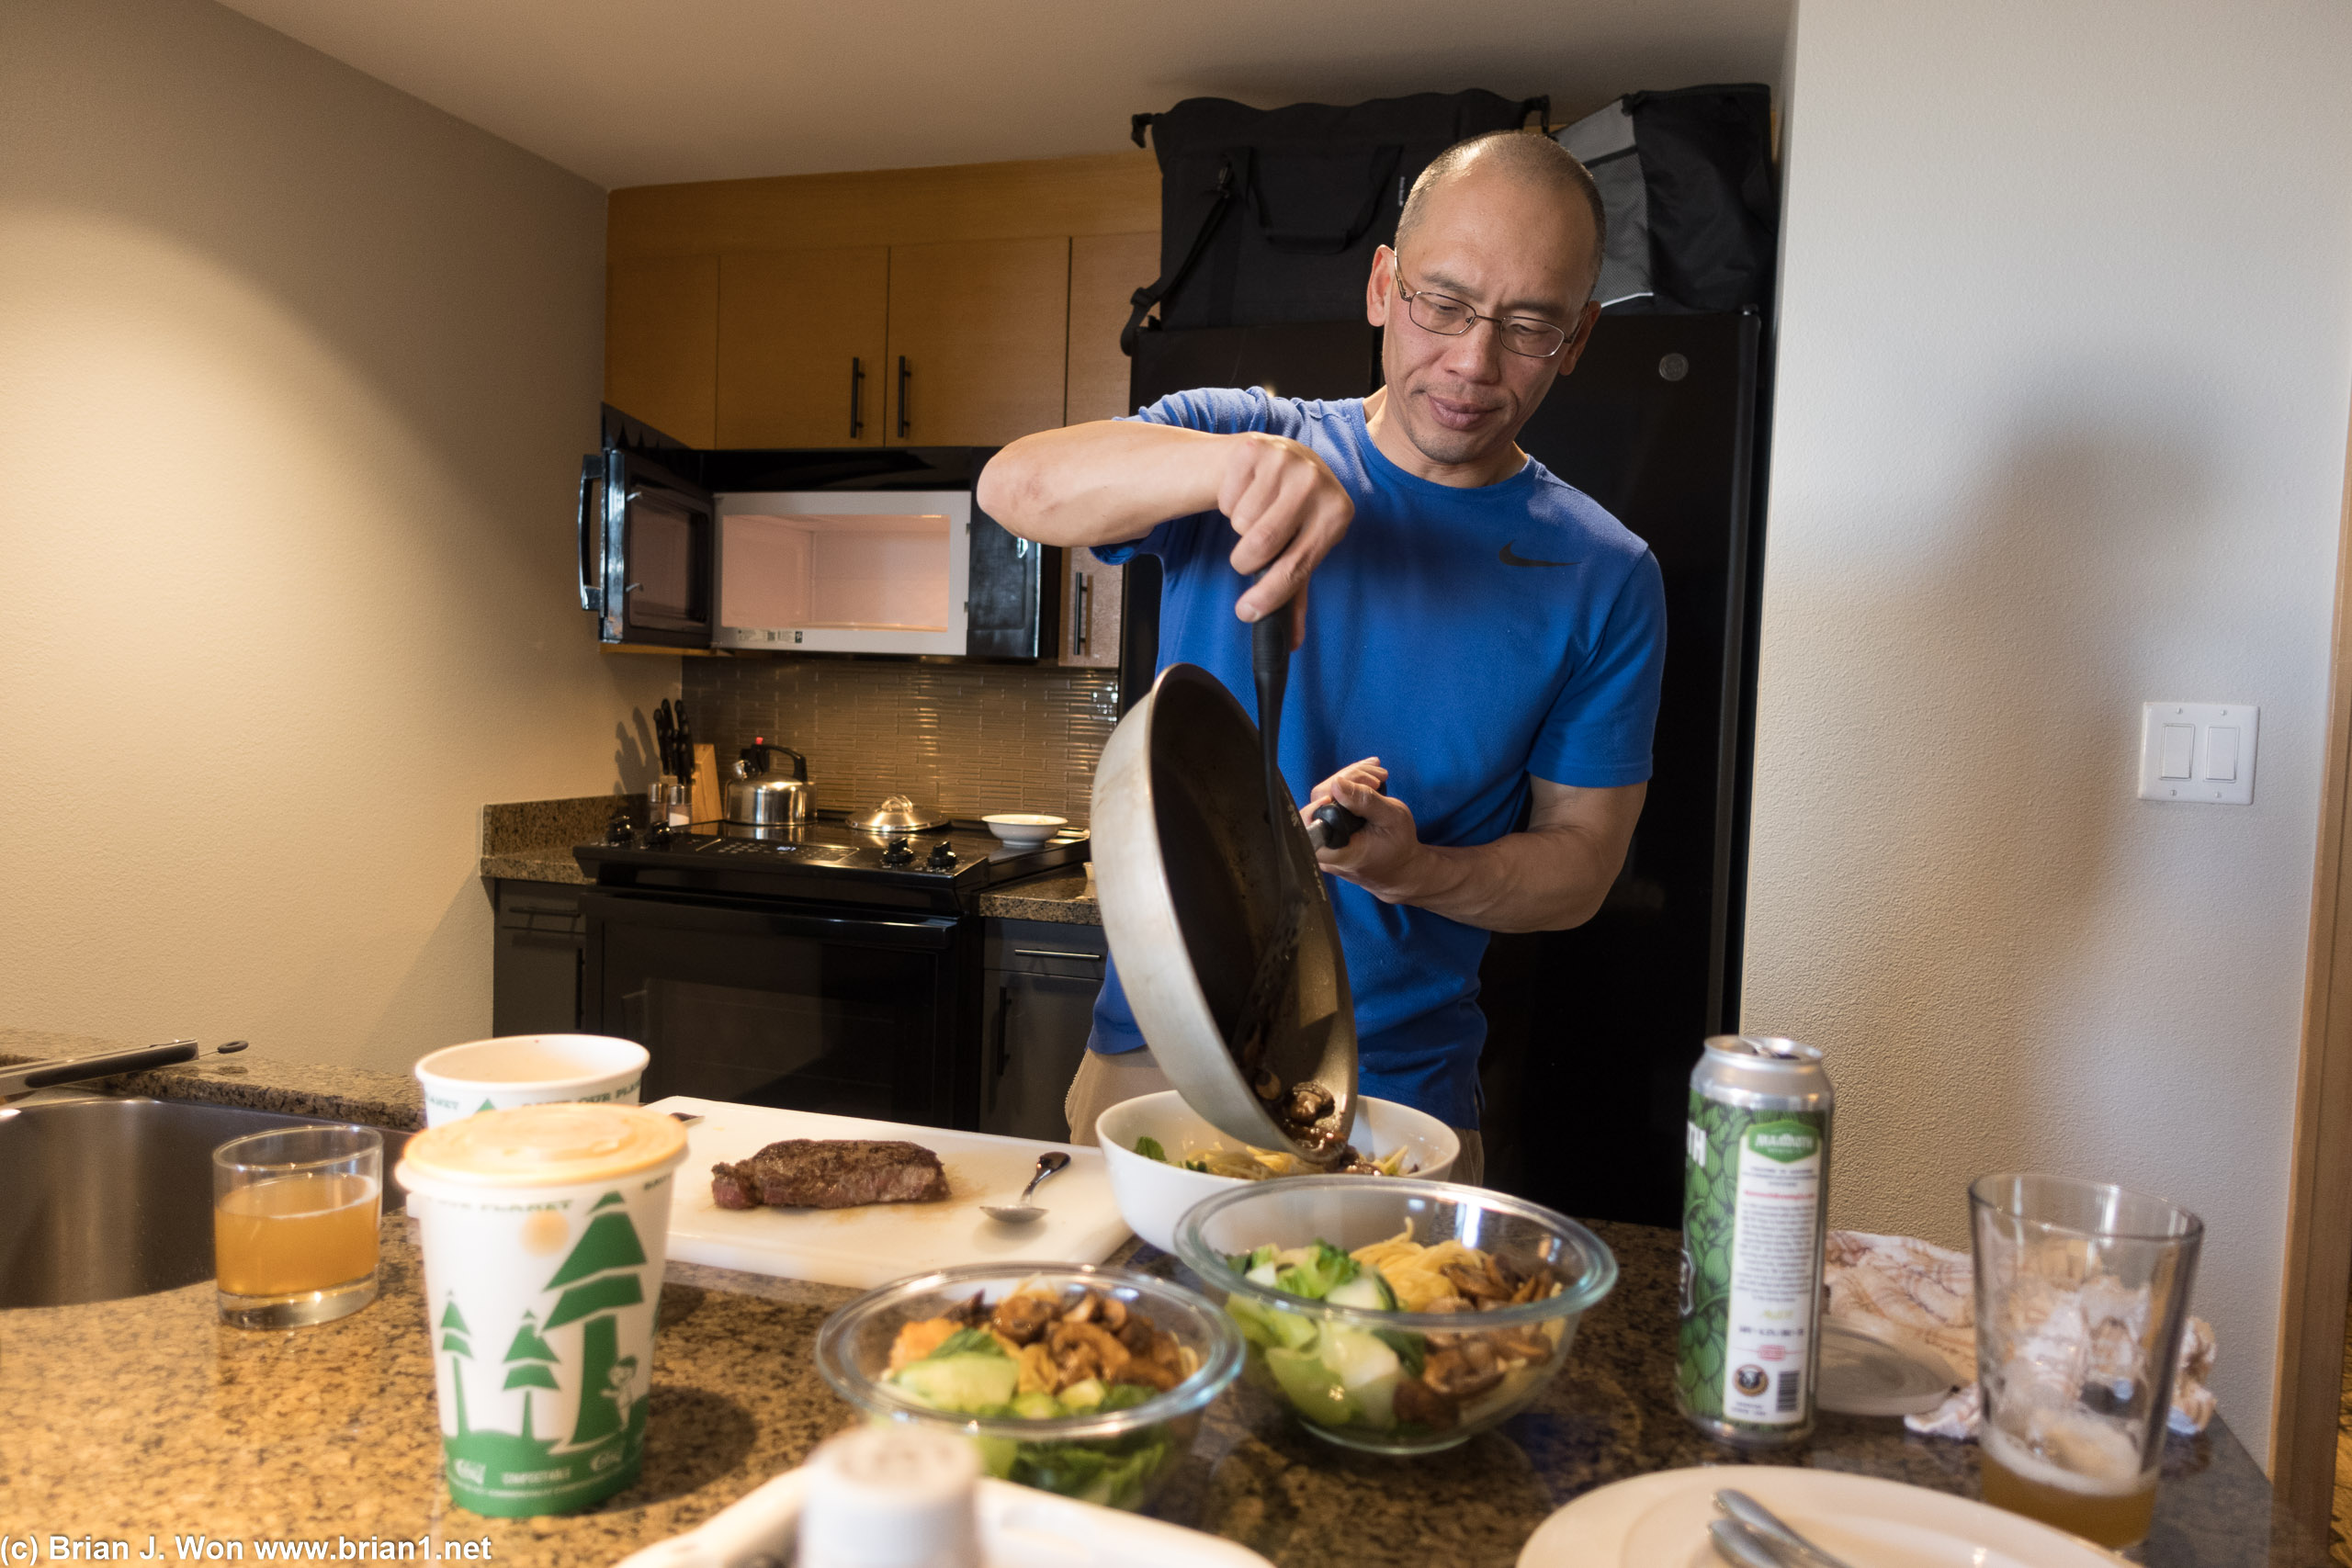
[(636, 761), (1982, 685)]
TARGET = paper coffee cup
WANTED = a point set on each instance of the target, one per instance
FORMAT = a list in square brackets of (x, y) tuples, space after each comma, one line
[(529, 1069), (544, 1230)]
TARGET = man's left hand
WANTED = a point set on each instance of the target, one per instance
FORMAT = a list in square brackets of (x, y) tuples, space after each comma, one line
[(1383, 855)]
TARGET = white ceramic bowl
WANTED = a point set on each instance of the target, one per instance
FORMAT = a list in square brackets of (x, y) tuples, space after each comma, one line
[(1152, 1196), (1025, 830), (529, 1069)]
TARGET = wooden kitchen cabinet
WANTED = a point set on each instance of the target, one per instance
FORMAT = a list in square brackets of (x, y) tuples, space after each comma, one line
[(1104, 272), (801, 340), (662, 343), (979, 332)]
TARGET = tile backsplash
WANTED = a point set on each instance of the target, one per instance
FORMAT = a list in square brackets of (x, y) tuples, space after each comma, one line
[(969, 739)]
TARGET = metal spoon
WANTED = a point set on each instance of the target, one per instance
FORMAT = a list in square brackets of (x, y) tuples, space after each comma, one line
[(1762, 1522), (1024, 1212)]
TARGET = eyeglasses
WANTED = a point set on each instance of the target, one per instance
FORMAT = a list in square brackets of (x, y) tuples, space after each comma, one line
[(1449, 317)]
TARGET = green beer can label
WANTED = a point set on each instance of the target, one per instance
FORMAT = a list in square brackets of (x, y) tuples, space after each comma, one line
[(1752, 1219)]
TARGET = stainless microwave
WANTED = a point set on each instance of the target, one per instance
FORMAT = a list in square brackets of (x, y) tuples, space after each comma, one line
[(855, 550)]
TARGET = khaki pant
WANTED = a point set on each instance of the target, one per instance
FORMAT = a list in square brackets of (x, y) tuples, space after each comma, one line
[(1104, 1080)]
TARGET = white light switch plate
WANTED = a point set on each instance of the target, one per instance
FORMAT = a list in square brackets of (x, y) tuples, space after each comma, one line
[(2219, 751)]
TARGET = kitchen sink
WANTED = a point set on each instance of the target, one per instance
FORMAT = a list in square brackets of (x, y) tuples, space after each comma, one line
[(113, 1198)]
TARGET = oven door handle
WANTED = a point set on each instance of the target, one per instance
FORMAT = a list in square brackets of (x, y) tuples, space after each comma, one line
[(764, 919)]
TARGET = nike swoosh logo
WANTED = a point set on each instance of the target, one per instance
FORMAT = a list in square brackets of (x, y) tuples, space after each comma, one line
[(1508, 559)]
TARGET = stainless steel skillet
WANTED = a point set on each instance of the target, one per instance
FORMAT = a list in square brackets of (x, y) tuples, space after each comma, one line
[(1192, 901)]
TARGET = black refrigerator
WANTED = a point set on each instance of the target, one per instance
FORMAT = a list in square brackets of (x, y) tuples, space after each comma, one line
[(1593, 1032)]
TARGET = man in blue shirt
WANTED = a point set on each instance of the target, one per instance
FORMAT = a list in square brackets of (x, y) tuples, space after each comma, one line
[(1481, 638)]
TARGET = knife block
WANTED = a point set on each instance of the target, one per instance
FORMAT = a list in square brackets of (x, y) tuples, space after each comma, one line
[(705, 799)]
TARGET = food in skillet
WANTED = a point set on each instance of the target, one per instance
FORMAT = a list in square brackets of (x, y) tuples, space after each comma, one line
[(1040, 1355), (1394, 1380)]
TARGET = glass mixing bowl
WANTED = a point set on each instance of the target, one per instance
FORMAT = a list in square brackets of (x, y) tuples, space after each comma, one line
[(1395, 1381), (1115, 1457)]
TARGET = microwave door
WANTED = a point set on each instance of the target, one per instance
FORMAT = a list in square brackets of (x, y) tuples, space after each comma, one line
[(657, 556)]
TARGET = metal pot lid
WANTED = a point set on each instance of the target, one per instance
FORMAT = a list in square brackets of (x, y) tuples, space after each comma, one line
[(898, 815), (1188, 887)]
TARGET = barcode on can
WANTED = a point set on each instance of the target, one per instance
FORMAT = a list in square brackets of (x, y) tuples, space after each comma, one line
[(1785, 1400)]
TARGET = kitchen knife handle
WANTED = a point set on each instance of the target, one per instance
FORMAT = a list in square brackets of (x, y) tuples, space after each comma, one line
[(106, 1064)]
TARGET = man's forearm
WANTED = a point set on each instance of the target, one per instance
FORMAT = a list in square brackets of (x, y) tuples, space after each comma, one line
[(1101, 483), (1541, 880)]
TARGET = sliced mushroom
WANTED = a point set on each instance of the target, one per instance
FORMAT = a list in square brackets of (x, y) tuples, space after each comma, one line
[(1306, 1104), (1465, 1371), (1083, 1350), (1474, 1282), (1025, 1318), (1423, 1406)]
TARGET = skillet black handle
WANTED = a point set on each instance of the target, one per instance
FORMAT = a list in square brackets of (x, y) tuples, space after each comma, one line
[(1334, 825)]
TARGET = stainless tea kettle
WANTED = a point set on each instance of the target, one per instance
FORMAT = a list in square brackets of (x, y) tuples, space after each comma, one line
[(760, 797)]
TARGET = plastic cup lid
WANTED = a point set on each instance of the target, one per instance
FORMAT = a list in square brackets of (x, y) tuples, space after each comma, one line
[(1868, 1369)]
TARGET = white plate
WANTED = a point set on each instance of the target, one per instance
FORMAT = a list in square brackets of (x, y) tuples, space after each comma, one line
[(1660, 1521)]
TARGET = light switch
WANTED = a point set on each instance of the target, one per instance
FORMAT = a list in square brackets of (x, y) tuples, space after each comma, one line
[(2200, 752), (2222, 753)]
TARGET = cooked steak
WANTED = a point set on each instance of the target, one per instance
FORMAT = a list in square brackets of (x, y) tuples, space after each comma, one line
[(830, 1173)]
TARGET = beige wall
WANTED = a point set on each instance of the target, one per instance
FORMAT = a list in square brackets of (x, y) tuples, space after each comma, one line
[(2065, 345), (294, 375)]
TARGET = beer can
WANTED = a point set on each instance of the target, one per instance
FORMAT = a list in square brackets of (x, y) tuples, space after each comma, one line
[(1755, 1213)]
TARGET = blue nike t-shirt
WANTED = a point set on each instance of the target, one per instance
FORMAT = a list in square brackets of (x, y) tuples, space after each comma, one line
[(1465, 637)]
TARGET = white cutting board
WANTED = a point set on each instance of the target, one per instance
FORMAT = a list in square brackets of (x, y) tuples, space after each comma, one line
[(880, 1242)]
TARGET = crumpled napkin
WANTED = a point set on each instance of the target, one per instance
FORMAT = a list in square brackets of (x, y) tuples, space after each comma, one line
[(1926, 1293)]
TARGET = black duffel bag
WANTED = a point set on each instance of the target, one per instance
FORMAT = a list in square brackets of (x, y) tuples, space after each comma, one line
[(1271, 216), (1686, 178)]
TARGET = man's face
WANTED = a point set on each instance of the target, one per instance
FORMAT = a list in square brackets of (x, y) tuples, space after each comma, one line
[(1503, 248)]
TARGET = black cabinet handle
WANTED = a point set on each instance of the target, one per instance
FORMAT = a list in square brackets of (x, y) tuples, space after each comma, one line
[(906, 374), (1080, 621), (856, 397)]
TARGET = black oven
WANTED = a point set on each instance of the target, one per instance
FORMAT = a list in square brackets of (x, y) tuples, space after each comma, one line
[(855, 1011)]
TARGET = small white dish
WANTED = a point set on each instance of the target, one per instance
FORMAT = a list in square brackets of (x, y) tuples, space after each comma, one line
[(1153, 1196), (1025, 830), (1660, 1521), (529, 1069)]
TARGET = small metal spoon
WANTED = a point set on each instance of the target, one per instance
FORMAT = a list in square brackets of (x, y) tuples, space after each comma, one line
[(1024, 1212)]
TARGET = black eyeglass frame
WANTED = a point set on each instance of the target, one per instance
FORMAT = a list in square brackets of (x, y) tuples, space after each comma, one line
[(1410, 295)]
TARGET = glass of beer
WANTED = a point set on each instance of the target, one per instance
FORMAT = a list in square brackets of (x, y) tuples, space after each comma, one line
[(2081, 1292), (294, 1215)]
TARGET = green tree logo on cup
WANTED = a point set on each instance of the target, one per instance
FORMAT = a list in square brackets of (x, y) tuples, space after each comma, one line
[(565, 1274)]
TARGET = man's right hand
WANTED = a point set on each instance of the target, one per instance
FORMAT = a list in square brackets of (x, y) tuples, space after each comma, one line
[(1289, 511), (1110, 481)]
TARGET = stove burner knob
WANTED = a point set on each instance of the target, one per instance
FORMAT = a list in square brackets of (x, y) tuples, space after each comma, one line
[(900, 853), (943, 856)]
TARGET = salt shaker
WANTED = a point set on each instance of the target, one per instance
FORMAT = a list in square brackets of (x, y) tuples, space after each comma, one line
[(891, 1497)]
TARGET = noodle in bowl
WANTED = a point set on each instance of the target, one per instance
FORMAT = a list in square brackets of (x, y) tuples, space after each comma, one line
[(1153, 1195)]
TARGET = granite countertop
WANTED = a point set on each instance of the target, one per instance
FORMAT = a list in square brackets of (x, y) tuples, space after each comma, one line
[(531, 842), (123, 1419)]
